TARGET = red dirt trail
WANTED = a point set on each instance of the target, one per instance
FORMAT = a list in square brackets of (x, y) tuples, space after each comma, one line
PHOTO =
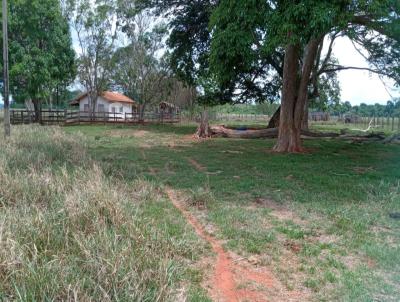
[(229, 281), (196, 165)]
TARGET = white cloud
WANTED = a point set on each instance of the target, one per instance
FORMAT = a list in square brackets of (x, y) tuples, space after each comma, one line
[(360, 86)]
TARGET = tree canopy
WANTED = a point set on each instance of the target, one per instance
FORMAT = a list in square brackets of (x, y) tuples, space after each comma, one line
[(42, 60), (243, 31)]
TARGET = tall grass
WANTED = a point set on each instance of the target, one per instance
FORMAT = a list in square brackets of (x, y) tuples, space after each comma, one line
[(69, 232)]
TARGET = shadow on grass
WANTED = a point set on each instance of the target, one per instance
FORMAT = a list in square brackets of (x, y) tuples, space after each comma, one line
[(336, 171)]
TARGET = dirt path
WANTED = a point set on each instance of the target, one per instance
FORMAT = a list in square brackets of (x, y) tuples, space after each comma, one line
[(196, 165), (231, 280)]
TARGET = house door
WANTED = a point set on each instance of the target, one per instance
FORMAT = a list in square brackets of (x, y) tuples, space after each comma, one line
[(113, 109)]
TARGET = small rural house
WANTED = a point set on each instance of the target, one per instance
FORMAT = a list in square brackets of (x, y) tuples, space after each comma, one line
[(108, 101)]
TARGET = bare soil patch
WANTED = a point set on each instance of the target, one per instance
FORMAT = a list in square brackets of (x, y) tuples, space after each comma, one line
[(278, 210), (125, 133), (233, 280)]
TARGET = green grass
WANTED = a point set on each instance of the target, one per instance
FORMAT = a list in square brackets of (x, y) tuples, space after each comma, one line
[(68, 231), (83, 213), (340, 190)]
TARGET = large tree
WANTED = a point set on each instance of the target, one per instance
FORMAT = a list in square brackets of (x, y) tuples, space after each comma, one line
[(96, 29), (138, 69), (298, 29), (41, 53), (245, 71)]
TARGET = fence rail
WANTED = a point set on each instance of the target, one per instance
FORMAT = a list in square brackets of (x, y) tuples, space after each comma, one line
[(73, 117), (229, 117), (388, 123)]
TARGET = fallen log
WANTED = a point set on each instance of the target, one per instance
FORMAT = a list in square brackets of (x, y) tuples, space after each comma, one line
[(392, 139), (246, 133), (222, 131)]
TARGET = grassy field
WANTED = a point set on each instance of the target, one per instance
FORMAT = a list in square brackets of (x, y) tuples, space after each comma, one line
[(68, 232), (84, 214)]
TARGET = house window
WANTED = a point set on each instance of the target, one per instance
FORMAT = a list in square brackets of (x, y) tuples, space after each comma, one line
[(101, 108), (86, 107), (121, 109)]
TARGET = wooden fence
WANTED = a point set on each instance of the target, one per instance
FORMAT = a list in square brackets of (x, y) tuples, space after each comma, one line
[(383, 123), (73, 117), (225, 117)]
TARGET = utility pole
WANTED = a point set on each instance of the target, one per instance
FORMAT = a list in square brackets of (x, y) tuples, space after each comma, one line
[(6, 96)]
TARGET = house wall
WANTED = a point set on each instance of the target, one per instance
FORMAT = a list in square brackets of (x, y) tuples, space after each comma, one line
[(108, 106), (100, 100), (126, 108)]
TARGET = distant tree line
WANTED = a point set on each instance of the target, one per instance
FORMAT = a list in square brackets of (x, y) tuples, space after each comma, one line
[(392, 108)]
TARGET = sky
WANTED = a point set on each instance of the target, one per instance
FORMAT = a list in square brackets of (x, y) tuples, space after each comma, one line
[(360, 86)]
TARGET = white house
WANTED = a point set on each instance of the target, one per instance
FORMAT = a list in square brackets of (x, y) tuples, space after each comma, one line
[(108, 101)]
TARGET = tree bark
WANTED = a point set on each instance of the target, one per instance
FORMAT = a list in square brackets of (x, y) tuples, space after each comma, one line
[(274, 121), (37, 108), (294, 95), (222, 131), (304, 124), (92, 96), (289, 138), (203, 131), (142, 109)]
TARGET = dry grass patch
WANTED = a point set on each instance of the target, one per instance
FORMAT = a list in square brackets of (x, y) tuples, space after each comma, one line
[(69, 232)]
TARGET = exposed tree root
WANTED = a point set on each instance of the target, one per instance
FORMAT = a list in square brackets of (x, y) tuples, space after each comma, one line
[(222, 131)]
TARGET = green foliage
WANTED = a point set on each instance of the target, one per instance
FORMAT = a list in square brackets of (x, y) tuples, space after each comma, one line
[(137, 70), (265, 108), (391, 109), (40, 49), (248, 41), (96, 31)]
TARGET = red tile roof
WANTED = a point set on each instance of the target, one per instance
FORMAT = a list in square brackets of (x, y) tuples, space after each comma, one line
[(109, 96)]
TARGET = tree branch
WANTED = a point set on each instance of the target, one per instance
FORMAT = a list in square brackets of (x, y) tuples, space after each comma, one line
[(329, 53), (334, 68)]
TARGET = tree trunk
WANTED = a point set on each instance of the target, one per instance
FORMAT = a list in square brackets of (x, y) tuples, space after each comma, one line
[(304, 124), (294, 95), (289, 136), (222, 131), (38, 115), (203, 131), (274, 121), (142, 109)]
